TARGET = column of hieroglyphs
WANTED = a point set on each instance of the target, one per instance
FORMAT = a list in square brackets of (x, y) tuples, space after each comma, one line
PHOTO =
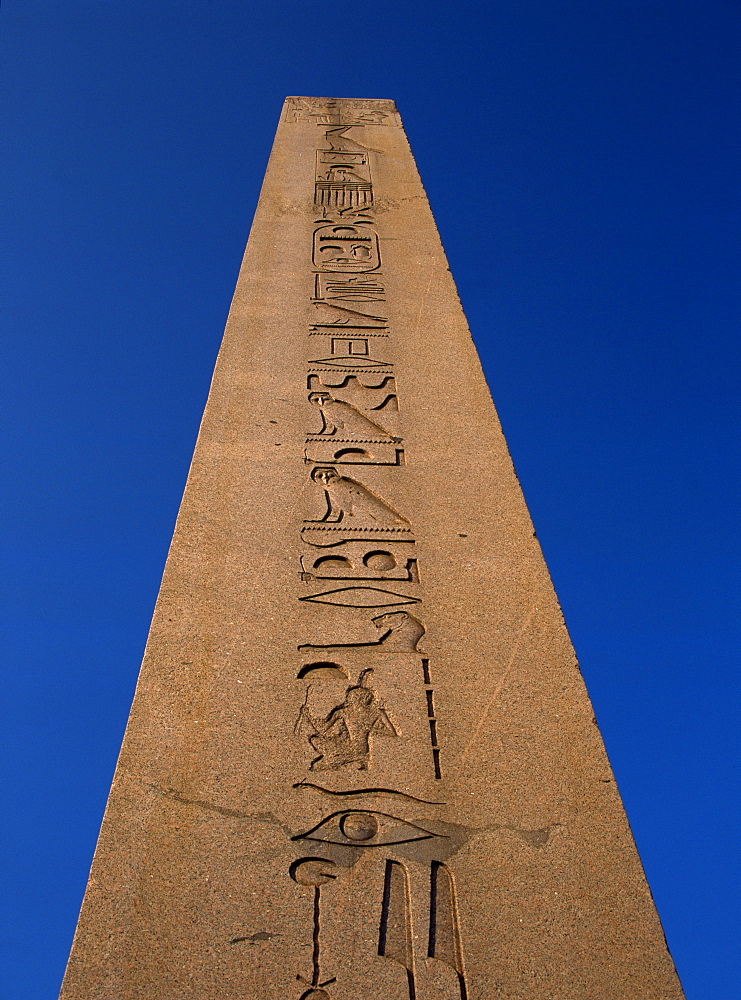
[(361, 555)]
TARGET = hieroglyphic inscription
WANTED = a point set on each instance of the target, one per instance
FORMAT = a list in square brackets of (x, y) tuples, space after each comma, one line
[(361, 597), (314, 872), (365, 828), (372, 395), (357, 531), (395, 932), (342, 736), (444, 942), (349, 288), (343, 178), (347, 249), (353, 503), (355, 560), (344, 420), (400, 633), (431, 716), (340, 111)]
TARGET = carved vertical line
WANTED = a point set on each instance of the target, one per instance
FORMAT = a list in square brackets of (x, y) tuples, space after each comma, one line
[(431, 718), (385, 909), (462, 986), (432, 939), (395, 931), (444, 942), (315, 944), (412, 985)]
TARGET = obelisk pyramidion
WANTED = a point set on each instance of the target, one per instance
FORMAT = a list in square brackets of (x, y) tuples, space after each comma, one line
[(361, 761)]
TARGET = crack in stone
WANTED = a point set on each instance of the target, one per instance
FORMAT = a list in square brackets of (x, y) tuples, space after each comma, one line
[(535, 838), (171, 793)]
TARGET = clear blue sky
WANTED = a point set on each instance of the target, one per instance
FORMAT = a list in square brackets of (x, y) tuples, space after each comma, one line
[(581, 159)]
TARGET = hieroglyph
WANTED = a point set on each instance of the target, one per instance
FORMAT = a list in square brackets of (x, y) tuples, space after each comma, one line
[(353, 533), (361, 761)]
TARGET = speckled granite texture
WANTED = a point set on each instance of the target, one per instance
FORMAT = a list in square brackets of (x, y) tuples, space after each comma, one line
[(361, 761)]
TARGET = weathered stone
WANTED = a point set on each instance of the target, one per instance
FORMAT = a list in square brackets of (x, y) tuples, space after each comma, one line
[(361, 761)]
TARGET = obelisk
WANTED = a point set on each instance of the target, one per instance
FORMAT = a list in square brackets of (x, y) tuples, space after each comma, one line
[(361, 761)]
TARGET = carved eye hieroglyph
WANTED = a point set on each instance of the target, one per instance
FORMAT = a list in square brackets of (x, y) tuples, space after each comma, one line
[(365, 828)]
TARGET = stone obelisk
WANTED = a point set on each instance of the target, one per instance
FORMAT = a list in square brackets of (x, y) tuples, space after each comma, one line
[(361, 761)]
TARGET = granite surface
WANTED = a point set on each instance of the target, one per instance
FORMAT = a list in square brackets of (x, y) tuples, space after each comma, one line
[(361, 761)]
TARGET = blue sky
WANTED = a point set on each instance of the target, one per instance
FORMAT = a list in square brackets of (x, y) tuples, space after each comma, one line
[(581, 159)]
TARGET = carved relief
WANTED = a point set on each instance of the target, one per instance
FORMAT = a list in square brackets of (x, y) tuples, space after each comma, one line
[(349, 363), (337, 287), (431, 716), (351, 502), (351, 792), (361, 537), (444, 941), (401, 633), (331, 314), (350, 833), (369, 393), (350, 333), (361, 561), (342, 736), (327, 536), (365, 828), (395, 938), (314, 872), (343, 193), (360, 597), (339, 166), (348, 213), (349, 436), (342, 144), (343, 179), (340, 111), (346, 420), (346, 248), (346, 834), (345, 347), (354, 349), (353, 452)]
